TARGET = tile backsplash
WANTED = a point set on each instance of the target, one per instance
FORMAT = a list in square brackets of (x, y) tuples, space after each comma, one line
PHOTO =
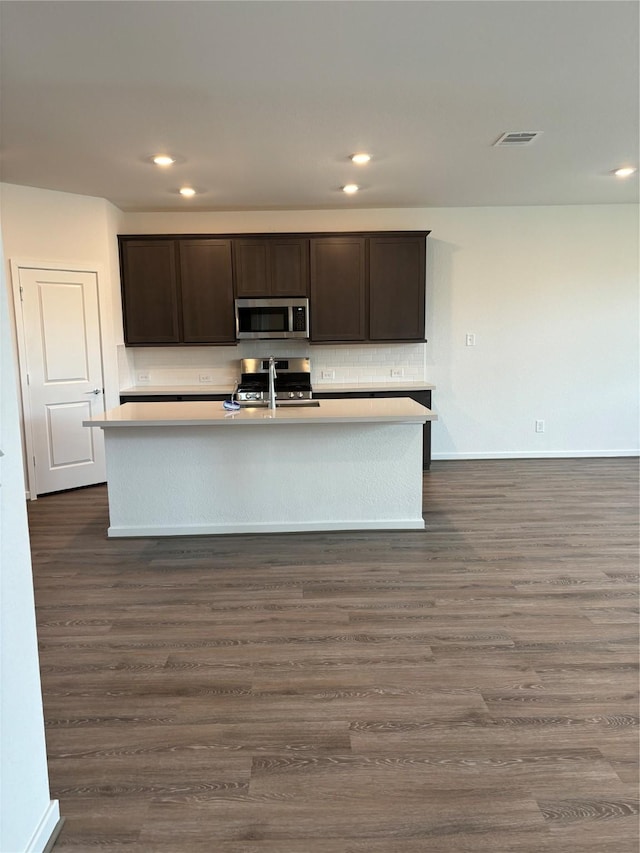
[(348, 364)]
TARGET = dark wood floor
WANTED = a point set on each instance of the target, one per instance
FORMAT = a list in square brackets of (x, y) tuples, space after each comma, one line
[(472, 687)]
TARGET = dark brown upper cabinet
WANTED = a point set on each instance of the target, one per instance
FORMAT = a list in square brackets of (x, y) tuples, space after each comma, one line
[(338, 304), (177, 291), (271, 266), (368, 287), (150, 291), (396, 288), (206, 286)]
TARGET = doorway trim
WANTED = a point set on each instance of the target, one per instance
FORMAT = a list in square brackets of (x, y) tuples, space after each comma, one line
[(28, 445)]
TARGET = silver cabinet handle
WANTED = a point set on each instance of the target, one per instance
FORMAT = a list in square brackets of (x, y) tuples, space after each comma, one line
[(95, 391)]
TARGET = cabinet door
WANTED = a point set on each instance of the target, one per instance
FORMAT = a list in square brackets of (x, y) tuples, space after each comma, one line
[(338, 289), (207, 291), (289, 267), (251, 268), (150, 292), (396, 288), (271, 266)]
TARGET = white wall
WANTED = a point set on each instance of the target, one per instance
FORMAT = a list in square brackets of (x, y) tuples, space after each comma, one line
[(27, 815), (552, 297), (551, 294)]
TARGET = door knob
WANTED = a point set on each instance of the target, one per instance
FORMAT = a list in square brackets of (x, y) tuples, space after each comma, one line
[(95, 391)]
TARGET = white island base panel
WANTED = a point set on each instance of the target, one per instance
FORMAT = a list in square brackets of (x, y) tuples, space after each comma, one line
[(177, 481)]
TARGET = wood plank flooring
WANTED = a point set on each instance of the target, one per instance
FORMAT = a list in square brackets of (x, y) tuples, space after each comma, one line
[(472, 687)]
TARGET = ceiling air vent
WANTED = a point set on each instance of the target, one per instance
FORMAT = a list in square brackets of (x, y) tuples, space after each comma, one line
[(516, 140)]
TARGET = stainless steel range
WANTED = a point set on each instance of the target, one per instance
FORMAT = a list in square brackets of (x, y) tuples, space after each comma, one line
[(292, 383)]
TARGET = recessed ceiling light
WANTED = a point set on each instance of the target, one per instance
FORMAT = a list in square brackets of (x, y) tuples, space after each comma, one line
[(187, 191), (360, 158), (163, 160), (624, 172), (350, 189)]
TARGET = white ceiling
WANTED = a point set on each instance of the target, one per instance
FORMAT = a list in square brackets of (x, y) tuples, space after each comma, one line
[(263, 102)]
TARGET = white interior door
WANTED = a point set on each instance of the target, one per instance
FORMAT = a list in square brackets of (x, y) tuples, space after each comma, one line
[(61, 324)]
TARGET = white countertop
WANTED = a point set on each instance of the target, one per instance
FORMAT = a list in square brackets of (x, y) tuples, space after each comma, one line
[(319, 387), (198, 413), (171, 390), (328, 387)]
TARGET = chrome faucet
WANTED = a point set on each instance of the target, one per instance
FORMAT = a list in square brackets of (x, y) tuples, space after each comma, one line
[(272, 382)]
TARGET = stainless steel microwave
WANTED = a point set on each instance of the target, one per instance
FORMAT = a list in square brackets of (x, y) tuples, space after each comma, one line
[(272, 318)]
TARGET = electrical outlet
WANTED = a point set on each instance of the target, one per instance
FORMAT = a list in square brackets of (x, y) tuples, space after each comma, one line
[(397, 371), (539, 426), (144, 377), (470, 340), (205, 377), (328, 374)]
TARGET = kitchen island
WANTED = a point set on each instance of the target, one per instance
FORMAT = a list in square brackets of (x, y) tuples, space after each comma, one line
[(193, 468), (418, 390)]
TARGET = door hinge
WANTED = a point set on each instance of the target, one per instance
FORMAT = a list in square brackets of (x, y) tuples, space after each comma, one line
[(28, 379), (34, 461), (21, 292)]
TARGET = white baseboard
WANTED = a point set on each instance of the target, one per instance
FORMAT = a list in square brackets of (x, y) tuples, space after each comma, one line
[(121, 531), (45, 829), (537, 454)]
